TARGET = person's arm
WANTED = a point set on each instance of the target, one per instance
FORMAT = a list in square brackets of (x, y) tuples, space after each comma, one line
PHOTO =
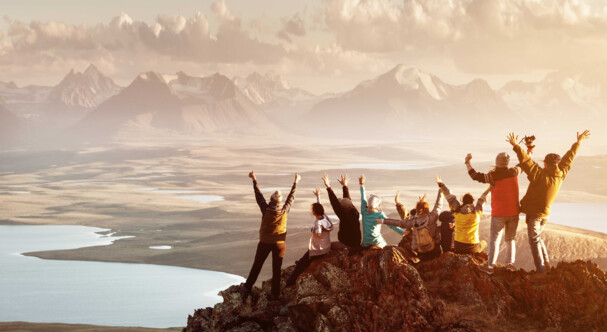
[(327, 225), (332, 198), (343, 180), (406, 224), (476, 176), (481, 200), (530, 167), (438, 205), (261, 201), (291, 196), (567, 160), (400, 207), (451, 199), (363, 198), (394, 228)]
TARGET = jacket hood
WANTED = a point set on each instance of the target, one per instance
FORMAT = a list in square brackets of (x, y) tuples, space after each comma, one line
[(553, 170), (468, 208)]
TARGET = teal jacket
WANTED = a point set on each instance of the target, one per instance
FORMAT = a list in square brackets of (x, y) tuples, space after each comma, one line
[(371, 229)]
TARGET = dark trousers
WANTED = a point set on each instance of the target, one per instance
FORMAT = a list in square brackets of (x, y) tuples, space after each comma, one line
[(434, 253), (469, 248), (263, 250), (301, 266)]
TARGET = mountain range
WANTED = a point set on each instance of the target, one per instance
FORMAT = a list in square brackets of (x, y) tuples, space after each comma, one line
[(405, 101)]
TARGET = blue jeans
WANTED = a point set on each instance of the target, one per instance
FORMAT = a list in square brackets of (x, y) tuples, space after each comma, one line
[(535, 229), (498, 224)]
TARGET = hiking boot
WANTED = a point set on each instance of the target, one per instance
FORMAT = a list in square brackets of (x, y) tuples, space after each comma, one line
[(486, 269), (510, 267)]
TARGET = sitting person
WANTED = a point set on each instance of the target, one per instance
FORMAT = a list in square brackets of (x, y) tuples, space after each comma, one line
[(447, 229), (426, 236), (371, 210), (349, 225), (320, 240), (467, 217), (405, 242)]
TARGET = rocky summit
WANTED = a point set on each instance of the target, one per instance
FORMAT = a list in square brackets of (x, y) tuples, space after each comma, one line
[(382, 290)]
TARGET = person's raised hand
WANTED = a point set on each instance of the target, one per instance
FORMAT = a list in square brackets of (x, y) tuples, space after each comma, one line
[(512, 139), (361, 180), (325, 179), (316, 191), (297, 177), (343, 180), (468, 157), (438, 179), (252, 175), (584, 135), (396, 198)]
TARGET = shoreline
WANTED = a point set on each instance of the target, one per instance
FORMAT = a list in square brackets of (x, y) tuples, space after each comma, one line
[(35, 327)]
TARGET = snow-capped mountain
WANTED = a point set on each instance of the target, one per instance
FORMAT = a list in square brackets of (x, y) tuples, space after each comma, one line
[(176, 103), (564, 93), (87, 89), (60, 106), (272, 91), (409, 98)]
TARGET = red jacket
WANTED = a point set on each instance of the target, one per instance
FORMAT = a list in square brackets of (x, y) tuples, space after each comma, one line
[(504, 196)]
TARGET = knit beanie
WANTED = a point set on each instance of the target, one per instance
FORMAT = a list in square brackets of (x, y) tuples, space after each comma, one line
[(374, 202), (502, 160), (276, 196)]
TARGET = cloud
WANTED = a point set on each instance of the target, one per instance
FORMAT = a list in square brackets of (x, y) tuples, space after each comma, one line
[(483, 36), (293, 26), (125, 39)]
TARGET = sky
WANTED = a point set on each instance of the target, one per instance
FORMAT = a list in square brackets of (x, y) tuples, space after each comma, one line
[(319, 45)]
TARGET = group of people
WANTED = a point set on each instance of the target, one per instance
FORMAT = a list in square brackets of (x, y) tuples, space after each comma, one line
[(422, 235)]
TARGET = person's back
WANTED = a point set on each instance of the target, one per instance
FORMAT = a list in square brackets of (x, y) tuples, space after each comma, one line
[(424, 222), (370, 211), (349, 225), (467, 219), (272, 234), (544, 184), (504, 208)]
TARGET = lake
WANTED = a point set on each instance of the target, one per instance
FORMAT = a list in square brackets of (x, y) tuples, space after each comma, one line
[(118, 294)]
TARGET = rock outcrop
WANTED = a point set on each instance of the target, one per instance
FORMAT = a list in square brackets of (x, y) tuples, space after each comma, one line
[(380, 290)]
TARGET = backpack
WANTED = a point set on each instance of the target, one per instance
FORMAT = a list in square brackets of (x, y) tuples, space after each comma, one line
[(425, 241)]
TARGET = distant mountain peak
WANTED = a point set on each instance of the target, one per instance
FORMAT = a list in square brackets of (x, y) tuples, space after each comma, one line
[(151, 76), (83, 89)]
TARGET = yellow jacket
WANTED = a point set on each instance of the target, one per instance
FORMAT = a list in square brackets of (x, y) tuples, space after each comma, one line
[(466, 226)]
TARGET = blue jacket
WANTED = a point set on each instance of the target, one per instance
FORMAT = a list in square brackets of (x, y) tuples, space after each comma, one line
[(371, 229)]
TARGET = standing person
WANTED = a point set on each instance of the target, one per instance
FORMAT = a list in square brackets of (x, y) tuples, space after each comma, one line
[(467, 217), (371, 210), (447, 230), (544, 184), (320, 240), (349, 225), (272, 234), (504, 208), (426, 236)]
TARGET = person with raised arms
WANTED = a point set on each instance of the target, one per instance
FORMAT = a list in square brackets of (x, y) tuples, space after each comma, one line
[(504, 208), (371, 210), (320, 240), (467, 218), (544, 184), (426, 235), (349, 224), (272, 234)]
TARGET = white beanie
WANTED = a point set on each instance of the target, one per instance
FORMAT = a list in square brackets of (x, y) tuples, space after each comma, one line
[(276, 196), (374, 202)]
